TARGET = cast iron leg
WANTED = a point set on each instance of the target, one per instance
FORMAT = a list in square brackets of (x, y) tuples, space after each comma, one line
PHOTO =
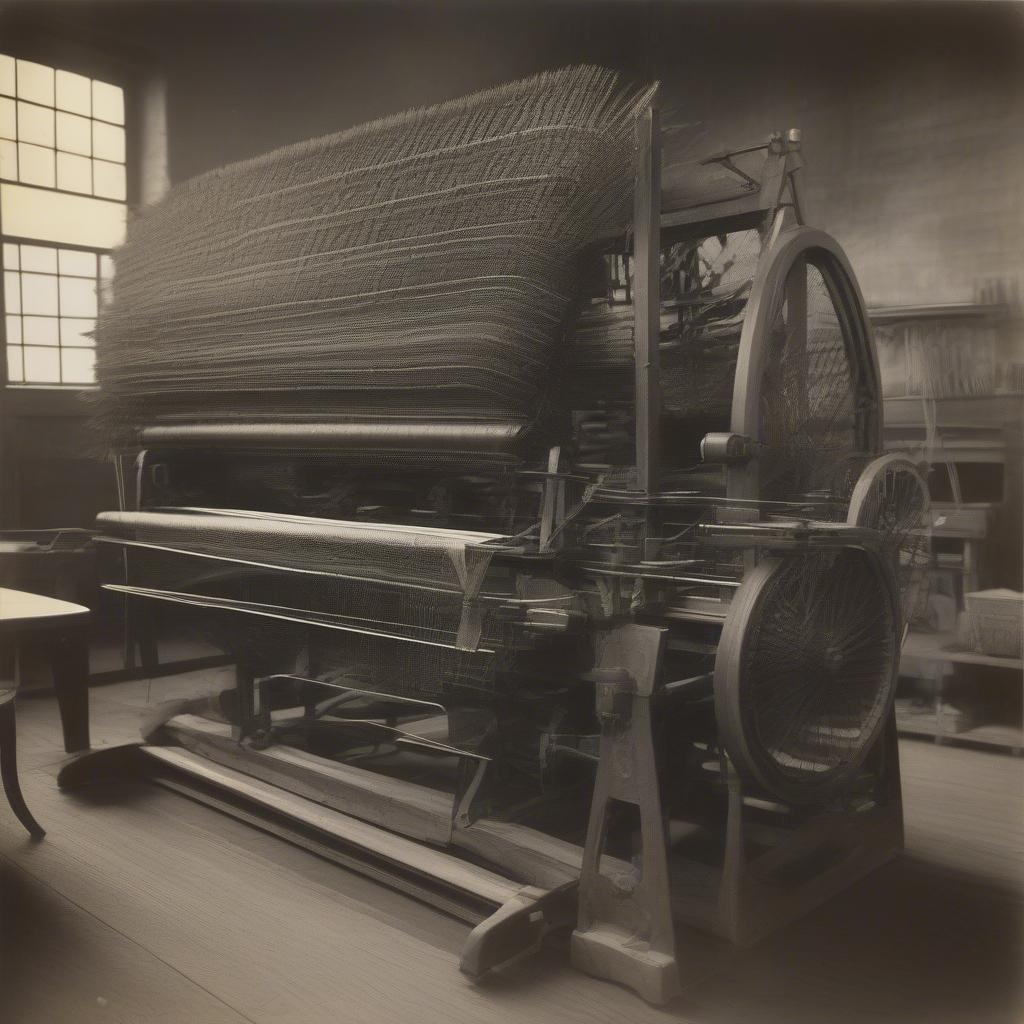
[(9, 771), (71, 680), (247, 689), (625, 930)]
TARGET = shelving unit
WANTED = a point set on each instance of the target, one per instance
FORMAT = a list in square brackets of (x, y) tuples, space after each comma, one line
[(936, 654), (931, 656), (953, 375)]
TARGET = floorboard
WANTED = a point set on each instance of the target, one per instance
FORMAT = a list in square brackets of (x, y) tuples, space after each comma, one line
[(141, 905), (59, 962)]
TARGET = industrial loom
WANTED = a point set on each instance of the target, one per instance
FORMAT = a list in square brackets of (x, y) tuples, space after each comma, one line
[(541, 507)]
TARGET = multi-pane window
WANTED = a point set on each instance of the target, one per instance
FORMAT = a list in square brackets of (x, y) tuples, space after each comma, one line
[(50, 302), (61, 130), (62, 207)]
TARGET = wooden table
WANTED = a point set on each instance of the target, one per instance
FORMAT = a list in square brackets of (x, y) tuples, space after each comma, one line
[(25, 616), (58, 562)]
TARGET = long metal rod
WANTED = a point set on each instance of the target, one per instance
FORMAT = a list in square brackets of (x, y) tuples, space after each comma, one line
[(636, 572), (281, 613), (504, 600), (123, 542), (646, 297), (385, 846), (338, 527)]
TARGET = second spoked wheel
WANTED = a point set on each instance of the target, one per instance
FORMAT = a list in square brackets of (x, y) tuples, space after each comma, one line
[(805, 673)]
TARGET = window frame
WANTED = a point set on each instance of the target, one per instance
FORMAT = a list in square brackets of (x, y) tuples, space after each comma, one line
[(57, 247), (97, 63)]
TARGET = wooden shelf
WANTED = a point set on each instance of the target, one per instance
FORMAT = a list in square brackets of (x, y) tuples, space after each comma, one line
[(961, 522), (999, 735), (943, 647), (924, 720), (938, 311), (991, 734)]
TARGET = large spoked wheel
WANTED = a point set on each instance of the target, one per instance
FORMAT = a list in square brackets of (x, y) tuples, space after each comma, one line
[(807, 386), (892, 497), (805, 674)]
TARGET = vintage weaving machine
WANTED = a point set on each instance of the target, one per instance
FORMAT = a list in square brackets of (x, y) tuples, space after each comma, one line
[(542, 507)]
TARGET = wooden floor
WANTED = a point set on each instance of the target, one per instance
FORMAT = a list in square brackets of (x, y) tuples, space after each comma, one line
[(142, 906)]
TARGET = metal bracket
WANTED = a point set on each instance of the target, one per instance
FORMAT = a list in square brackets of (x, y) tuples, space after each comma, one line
[(552, 502), (725, 448), (517, 928), (724, 160)]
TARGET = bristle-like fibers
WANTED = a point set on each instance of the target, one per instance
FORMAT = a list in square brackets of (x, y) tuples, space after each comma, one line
[(419, 263)]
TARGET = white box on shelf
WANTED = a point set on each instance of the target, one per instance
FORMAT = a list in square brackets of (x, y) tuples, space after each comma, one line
[(996, 621)]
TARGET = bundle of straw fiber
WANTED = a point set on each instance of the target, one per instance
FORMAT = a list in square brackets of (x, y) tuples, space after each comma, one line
[(420, 263)]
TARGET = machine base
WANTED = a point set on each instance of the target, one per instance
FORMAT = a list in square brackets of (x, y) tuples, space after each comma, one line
[(741, 900), (607, 953), (511, 919)]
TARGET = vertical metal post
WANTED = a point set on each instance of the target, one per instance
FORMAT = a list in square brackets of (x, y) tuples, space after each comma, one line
[(549, 517), (647, 297)]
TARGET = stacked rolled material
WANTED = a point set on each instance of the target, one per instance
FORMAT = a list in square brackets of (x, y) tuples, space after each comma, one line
[(423, 263)]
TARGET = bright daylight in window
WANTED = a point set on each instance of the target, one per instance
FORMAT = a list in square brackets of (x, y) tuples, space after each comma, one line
[(62, 208)]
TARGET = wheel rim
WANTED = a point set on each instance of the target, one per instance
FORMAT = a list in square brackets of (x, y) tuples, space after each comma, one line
[(806, 671), (807, 388), (892, 498)]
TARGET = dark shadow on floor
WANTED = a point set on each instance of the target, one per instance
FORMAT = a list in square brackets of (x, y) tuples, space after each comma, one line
[(60, 964), (907, 945)]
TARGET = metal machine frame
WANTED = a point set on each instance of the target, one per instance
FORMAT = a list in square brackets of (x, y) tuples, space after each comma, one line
[(624, 912)]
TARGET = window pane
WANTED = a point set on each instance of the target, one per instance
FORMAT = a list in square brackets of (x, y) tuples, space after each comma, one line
[(73, 135), (42, 365), (107, 141), (40, 330), (74, 173), (78, 366), (8, 119), (8, 160), (35, 166), (13, 330), (35, 124), (12, 292), (11, 261), (58, 217), (39, 294), (15, 373), (108, 102), (35, 83), (7, 75), (76, 332), (77, 297), (77, 264), (73, 93), (39, 259), (108, 179)]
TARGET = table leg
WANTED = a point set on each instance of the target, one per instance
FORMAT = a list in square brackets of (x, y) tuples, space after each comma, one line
[(71, 680), (9, 771), (146, 634)]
